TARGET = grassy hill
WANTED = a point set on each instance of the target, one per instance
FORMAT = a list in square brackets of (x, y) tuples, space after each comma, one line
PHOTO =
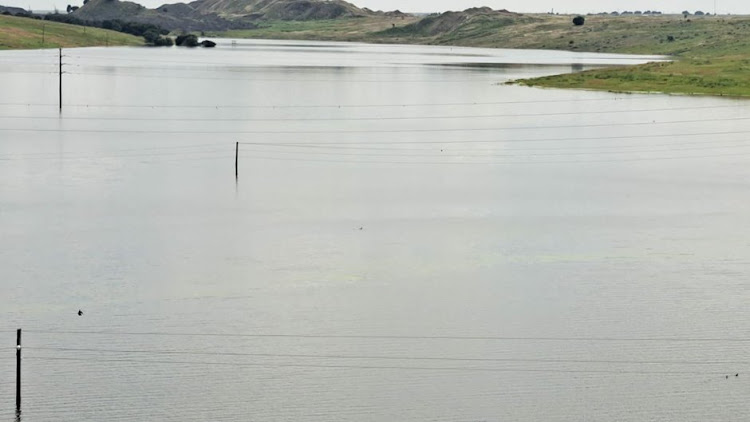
[(26, 33)]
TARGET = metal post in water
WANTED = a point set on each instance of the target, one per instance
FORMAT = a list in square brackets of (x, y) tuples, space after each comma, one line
[(60, 75), (18, 372), (236, 160)]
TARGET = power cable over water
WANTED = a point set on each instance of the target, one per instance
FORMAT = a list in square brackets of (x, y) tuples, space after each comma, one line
[(399, 337), (382, 368), (383, 357)]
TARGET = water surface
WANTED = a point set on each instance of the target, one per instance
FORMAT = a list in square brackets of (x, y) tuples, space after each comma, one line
[(409, 239)]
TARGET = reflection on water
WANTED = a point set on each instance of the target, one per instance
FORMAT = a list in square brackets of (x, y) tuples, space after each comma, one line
[(408, 239)]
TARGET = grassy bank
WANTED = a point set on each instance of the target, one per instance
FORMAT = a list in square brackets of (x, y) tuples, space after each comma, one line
[(712, 57), (26, 33), (712, 52)]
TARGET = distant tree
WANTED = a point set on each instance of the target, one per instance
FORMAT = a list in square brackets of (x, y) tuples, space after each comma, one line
[(699, 13), (615, 13), (638, 12), (68, 9), (685, 13), (670, 38), (163, 42), (187, 40), (151, 35), (6, 13), (579, 20), (85, 1), (74, 8)]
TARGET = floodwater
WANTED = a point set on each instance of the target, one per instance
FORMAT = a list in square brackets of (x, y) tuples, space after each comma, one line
[(409, 239)]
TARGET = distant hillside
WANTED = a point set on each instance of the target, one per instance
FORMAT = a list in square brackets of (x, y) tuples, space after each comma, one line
[(451, 27), (281, 9), (172, 17), (8, 10), (218, 15)]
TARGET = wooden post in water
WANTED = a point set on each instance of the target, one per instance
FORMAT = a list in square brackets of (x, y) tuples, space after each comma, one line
[(60, 103), (18, 372), (236, 160)]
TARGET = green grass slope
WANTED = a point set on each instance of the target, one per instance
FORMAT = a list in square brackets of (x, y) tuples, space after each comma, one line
[(712, 57), (26, 33)]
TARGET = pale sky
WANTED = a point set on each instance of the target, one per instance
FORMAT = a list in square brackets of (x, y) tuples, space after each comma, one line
[(571, 6)]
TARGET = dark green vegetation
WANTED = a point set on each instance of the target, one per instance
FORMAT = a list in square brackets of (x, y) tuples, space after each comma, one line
[(188, 40), (27, 33)]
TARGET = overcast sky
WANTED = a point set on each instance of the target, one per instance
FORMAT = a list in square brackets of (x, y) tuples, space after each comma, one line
[(571, 6)]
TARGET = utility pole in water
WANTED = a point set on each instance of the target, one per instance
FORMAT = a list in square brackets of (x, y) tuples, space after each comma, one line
[(60, 84), (18, 373)]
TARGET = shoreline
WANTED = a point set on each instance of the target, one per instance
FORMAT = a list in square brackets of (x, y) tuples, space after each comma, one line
[(710, 55)]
